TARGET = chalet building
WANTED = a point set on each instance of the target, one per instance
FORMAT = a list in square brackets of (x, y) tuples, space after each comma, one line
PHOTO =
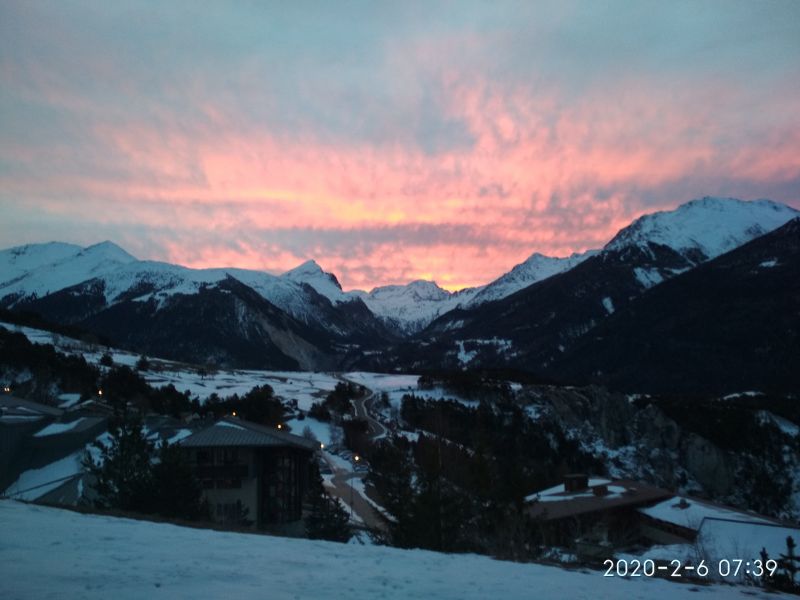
[(598, 516), (251, 473), (593, 513)]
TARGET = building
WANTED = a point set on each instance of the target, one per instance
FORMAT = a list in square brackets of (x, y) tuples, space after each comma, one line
[(599, 517), (251, 474), (584, 507)]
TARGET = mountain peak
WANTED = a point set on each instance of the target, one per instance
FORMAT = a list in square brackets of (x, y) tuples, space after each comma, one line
[(711, 225), (109, 250), (308, 267), (323, 282)]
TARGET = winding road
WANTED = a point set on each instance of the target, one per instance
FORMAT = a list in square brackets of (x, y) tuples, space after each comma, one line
[(340, 482)]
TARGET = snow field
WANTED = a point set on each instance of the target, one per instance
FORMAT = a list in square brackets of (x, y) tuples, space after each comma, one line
[(52, 553)]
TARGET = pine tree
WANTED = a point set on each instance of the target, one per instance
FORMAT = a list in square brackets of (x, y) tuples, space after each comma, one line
[(130, 475), (123, 474), (176, 491), (327, 519)]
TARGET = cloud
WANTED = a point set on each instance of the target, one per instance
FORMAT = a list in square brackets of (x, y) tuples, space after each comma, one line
[(387, 142)]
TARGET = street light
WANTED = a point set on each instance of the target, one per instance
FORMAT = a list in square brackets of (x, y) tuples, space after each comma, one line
[(352, 475)]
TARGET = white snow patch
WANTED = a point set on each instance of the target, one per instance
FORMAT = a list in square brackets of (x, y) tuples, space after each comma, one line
[(647, 277), (465, 357), (57, 428), (68, 400), (228, 424), (608, 305)]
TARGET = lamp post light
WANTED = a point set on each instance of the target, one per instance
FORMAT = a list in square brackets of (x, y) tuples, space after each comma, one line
[(352, 475)]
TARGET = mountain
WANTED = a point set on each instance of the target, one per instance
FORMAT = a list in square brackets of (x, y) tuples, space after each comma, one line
[(529, 318), (108, 291), (325, 284), (536, 268), (412, 307), (409, 308), (705, 228), (39, 269), (731, 324), (533, 327)]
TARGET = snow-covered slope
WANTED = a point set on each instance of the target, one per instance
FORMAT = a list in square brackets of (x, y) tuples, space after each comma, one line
[(710, 226), (40, 269), (536, 268), (324, 283), (412, 307), (36, 270), (670, 242), (54, 553)]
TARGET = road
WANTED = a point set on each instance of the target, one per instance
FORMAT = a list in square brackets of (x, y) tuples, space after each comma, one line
[(352, 497), (374, 427), (341, 476)]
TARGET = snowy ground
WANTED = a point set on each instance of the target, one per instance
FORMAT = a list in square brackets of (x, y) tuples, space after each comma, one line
[(303, 387), (52, 553), (397, 386), (321, 431)]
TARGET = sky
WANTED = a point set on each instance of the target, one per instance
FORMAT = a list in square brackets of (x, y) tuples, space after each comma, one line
[(389, 141)]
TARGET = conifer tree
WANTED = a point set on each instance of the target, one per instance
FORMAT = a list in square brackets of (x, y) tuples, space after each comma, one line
[(123, 474), (327, 519)]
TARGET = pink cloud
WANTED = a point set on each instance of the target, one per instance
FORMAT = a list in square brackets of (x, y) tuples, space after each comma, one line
[(542, 172)]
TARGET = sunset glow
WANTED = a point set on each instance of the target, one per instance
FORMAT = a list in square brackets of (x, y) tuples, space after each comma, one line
[(389, 143)]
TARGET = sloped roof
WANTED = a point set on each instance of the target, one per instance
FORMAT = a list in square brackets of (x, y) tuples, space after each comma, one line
[(555, 503), (230, 431), (691, 513), (19, 406)]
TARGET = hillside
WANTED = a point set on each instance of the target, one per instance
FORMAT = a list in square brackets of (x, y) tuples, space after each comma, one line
[(102, 557), (730, 324)]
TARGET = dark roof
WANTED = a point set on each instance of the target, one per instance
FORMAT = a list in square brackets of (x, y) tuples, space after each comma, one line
[(230, 431), (554, 506), (18, 406)]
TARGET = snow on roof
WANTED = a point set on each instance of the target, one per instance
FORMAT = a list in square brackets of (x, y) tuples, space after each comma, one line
[(557, 493), (15, 405), (600, 495), (57, 428), (690, 513), (228, 424)]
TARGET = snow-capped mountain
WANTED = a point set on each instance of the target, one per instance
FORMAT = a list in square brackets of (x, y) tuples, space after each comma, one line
[(324, 283), (231, 316), (536, 268), (533, 313), (36, 270), (535, 326), (410, 308), (40, 269), (729, 324), (700, 230)]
